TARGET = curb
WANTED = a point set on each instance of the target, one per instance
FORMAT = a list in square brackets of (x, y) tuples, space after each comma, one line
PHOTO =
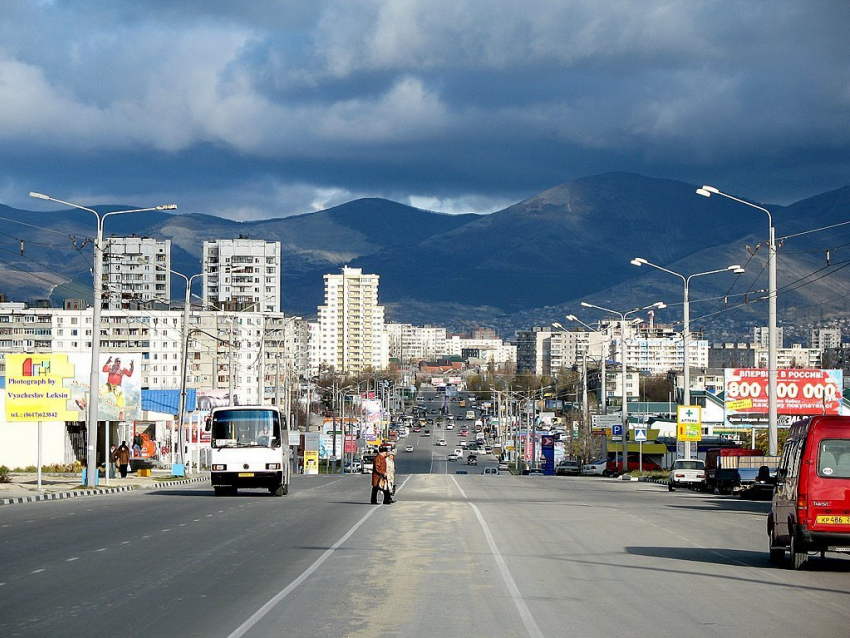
[(160, 485), (56, 496)]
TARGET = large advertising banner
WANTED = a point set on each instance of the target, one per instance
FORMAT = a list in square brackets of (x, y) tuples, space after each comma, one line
[(799, 391), (120, 389), (38, 388)]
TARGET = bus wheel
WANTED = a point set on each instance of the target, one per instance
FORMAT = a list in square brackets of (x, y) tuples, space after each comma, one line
[(220, 490), (276, 490)]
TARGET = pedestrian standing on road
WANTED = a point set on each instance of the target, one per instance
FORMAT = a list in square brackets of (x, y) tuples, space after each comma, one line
[(122, 456), (391, 475), (379, 477)]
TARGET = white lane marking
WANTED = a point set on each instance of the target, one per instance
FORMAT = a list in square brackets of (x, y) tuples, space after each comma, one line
[(258, 615), (37, 571), (71, 560), (516, 596), (164, 530), (125, 542), (102, 549)]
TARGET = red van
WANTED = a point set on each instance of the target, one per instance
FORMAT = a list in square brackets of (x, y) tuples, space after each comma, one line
[(811, 502)]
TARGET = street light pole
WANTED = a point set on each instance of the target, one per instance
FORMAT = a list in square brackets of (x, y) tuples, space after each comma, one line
[(772, 333), (603, 372), (94, 372), (623, 316), (686, 324)]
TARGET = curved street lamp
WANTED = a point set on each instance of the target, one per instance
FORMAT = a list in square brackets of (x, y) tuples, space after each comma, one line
[(686, 322), (772, 343), (623, 316), (94, 375)]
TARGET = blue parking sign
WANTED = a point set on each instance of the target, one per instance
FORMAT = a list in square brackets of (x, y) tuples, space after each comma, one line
[(617, 430)]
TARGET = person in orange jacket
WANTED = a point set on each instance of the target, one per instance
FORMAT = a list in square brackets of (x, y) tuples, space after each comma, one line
[(379, 478)]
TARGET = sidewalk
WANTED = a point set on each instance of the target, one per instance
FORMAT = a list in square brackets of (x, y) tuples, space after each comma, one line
[(24, 487)]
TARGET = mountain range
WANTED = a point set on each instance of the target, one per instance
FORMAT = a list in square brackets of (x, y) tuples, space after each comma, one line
[(529, 264)]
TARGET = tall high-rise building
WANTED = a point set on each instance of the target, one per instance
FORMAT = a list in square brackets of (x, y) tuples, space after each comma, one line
[(135, 272), (242, 274), (351, 323)]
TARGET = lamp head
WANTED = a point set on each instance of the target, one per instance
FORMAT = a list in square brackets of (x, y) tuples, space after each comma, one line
[(737, 269), (571, 318), (707, 191), (660, 305), (638, 261), (586, 305), (39, 195), (167, 207), (557, 325)]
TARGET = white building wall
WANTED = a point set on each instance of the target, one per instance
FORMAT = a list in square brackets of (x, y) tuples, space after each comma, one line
[(136, 271), (241, 273), (352, 322)]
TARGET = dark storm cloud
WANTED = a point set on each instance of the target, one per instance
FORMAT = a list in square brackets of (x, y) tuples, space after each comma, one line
[(255, 109)]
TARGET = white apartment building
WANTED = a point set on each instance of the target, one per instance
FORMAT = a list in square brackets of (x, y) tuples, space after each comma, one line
[(824, 338), (408, 343), (241, 274), (156, 336), (493, 351), (352, 323), (794, 357), (761, 336), (135, 272)]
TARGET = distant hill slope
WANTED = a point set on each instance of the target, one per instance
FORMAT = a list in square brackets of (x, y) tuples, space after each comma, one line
[(528, 264)]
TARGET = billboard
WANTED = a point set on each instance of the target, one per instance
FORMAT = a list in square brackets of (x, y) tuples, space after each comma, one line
[(120, 390), (799, 391), (39, 388)]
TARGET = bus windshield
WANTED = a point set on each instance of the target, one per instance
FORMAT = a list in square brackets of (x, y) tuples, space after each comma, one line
[(245, 428)]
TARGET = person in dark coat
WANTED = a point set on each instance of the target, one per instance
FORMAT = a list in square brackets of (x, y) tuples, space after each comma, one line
[(122, 457), (379, 477)]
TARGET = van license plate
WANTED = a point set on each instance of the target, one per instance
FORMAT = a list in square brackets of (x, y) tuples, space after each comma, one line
[(250, 474), (834, 520)]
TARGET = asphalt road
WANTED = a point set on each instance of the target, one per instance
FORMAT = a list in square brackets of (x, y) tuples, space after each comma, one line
[(457, 555)]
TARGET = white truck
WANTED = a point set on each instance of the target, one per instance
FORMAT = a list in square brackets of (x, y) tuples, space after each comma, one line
[(249, 448)]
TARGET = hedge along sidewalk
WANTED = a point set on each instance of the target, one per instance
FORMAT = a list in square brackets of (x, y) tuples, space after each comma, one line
[(23, 487)]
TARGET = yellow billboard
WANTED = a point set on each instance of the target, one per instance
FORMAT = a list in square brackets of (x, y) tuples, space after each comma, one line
[(689, 423), (37, 388)]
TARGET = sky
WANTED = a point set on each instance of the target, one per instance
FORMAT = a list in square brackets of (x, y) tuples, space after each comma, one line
[(260, 109)]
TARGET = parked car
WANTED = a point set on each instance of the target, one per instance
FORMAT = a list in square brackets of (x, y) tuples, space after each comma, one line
[(567, 468), (757, 484), (810, 510), (596, 467), (532, 472), (615, 468), (354, 467), (688, 473)]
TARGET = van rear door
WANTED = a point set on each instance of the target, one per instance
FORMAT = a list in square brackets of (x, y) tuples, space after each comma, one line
[(827, 495)]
